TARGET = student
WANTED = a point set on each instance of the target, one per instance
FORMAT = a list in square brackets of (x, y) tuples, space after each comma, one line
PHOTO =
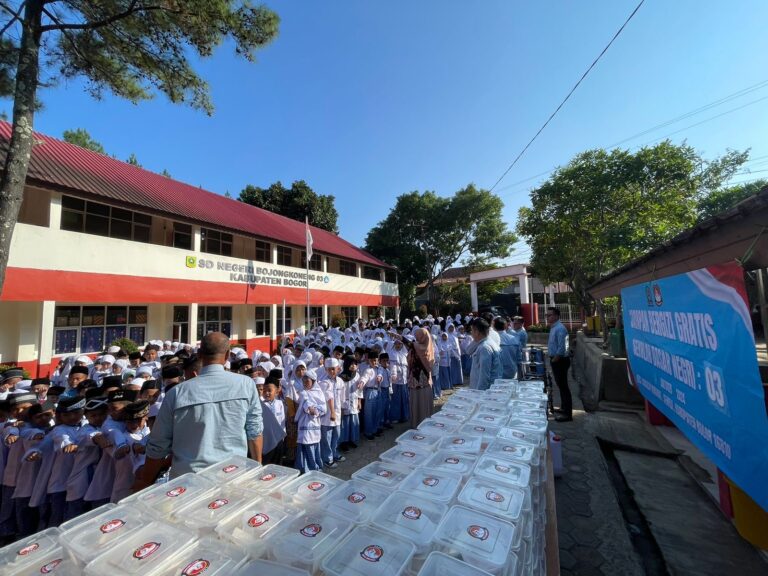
[(273, 412), (128, 444), (385, 392), (350, 407), (150, 391), (457, 378), (40, 387), (76, 375), (445, 350), (31, 435), (398, 407), (69, 416), (54, 393), (311, 407), (370, 380)]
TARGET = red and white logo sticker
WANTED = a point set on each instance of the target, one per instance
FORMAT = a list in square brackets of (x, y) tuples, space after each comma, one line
[(372, 553), (315, 486), (418, 437), (480, 428), (176, 492), (479, 532), (501, 468), (439, 425), (51, 566), (451, 460), (28, 549), (146, 550), (510, 449), (430, 481), (268, 477), (494, 496), (218, 503), (112, 525), (311, 530), (517, 434), (384, 473), (489, 418), (458, 441), (257, 520), (196, 568), (356, 497), (230, 468), (411, 512), (409, 454)]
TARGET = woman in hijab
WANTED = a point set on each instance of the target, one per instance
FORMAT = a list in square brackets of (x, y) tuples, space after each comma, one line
[(455, 353), (291, 388), (437, 384), (310, 409), (421, 361), (444, 346)]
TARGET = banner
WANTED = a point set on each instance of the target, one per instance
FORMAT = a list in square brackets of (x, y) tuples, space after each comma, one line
[(691, 353)]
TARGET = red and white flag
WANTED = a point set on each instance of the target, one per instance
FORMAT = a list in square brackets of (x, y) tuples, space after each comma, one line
[(309, 239)]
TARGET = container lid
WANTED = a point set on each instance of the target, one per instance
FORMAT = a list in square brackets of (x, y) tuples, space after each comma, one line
[(218, 505), (451, 461), (438, 485), (493, 498), (268, 568), (438, 425), (53, 561), (207, 556), (532, 438), (384, 474), (439, 564), (255, 521), (466, 443), (27, 551), (305, 538), (267, 478), (408, 515), (537, 425), (309, 488), (503, 470), (85, 516), (512, 449), (144, 551), (482, 540), (449, 416), (424, 438), (103, 531), (486, 418), (368, 551), (357, 500), (460, 405), (162, 500), (229, 469), (487, 431), (407, 454)]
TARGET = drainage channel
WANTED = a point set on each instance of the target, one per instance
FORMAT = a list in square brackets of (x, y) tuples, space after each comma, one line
[(639, 532)]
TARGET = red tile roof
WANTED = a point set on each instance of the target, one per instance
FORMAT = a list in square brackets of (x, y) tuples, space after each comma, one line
[(70, 168)]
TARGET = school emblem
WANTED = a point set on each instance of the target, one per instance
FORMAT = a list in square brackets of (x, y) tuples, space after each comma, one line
[(51, 566), (409, 454), (430, 481), (146, 550), (480, 428), (356, 497), (257, 520), (501, 468), (111, 526), (494, 496), (510, 449), (657, 297), (372, 553), (411, 513), (439, 425), (489, 418), (315, 486), (517, 434), (418, 437), (384, 473), (479, 532), (451, 460), (311, 530), (218, 503), (196, 568), (28, 549), (459, 441), (176, 492), (230, 468), (191, 261), (268, 477)]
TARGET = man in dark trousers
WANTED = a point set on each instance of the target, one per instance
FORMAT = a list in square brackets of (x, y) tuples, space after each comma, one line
[(560, 360)]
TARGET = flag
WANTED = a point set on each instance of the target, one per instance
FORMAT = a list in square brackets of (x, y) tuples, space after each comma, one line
[(309, 240)]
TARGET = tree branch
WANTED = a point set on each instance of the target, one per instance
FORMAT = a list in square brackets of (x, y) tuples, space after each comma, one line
[(16, 16), (132, 9)]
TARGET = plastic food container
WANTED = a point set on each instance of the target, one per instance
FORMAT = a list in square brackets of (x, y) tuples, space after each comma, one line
[(255, 522), (144, 551), (487, 432), (411, 517), (368, 551), (460, 405), (462, 443), (266, 478), (531, 438), (536, 425), (207, 556), (30, 550), (489, 418), (407, 454), (451, 461), (493, 498), (448, 416), (64, 526), (94, 536), (304, 540), (384, 474), (204, 514), (439, 564), (439, 426), (229, 469), (309, 489), (478, 539), (503, 470), (513, 450), (357, 500), (424, 438), (53, 561), (268, 568), (163, 500), (437, 485)]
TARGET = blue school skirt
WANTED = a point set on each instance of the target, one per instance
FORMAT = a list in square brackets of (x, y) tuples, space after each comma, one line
[(457, 379), (350, 428), (398, 407), (308, 457), (445, 378)]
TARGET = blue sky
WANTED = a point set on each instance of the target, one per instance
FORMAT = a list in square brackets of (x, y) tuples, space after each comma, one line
[(368, 100)]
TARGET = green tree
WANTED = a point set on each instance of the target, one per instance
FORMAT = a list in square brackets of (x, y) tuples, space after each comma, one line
[(81, 137), (721, 200), (132, 160), (425, 234), (130, 48), (606, 208), (297, 202)]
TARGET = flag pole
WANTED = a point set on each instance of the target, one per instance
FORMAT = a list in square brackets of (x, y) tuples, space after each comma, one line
[(308, 255), (283, 317)]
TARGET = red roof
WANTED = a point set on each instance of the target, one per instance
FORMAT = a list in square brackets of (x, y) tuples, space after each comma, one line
[(83, 172)]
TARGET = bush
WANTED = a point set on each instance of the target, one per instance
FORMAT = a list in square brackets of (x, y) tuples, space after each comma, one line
[(340, 319), (4, 367), (537, 328), (126, 344)]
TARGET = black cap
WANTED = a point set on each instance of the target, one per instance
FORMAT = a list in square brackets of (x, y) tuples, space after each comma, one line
[(171, 372), (110, 381), (41, 381), (122, 396), (87, 384), (56, 390), (80, 370), (150, 385), (276, 373), (71, 404), (135, 410), (11, 373), (95, 403), (23, 398), (94, 393), (134, 356)]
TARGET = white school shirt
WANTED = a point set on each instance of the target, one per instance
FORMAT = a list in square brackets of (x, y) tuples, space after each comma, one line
[(386, 379), (327, 386), (15, 452), (309, 426), (87, 455), (278, 409), (353, 394), (124, 467), (62, 436), (140, 437), (104, 474), (25, 479), (40, 490)]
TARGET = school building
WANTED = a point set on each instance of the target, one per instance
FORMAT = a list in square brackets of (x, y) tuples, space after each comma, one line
[(105, 249)]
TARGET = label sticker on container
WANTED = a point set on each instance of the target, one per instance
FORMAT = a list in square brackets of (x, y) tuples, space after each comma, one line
[(489, 418), (112, 525), (315, 486), (411, 513), (176, 492), (257, 520), (384, 473), (451, 460), (218, 503), (418, 437), (51, 566), (494, 496), (517, 434), (501, 468), (356, 497), (458, 441), (409, 454), (196, 568), (311, 530), (430, 481), (268, 477), (480, 428), (479, 532), (510, 449), (372, 553), (28, 549), (230, 468), (439, 425), (146, 550)]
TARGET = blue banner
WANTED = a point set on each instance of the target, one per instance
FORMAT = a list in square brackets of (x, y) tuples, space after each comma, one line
[(691, 353)]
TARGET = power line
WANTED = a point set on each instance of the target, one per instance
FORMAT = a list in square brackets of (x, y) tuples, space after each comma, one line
[(583, 76)]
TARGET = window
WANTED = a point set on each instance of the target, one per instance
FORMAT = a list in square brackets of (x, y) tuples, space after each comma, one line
[(85, 329), (350, 314), (315, 316), (103, 220), (315, 263), (181, 323), (214, 319), (347, 268), (182, 236), (279, 321), (371, 273), (215, 242), (390, 276), (263, 320), (284, 256), (263, 251)]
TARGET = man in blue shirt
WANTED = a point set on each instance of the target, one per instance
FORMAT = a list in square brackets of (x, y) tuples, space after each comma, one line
[(518, 328), (486, 358), (205, 420), (560, 361), (510, 348)]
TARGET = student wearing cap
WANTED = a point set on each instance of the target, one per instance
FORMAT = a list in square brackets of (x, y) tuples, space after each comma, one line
[(273, 411), (150, 391), (69, 414), (77, 375), (350, 407), (8, 381), (40, 387), (54, 393), (333, 389), (311, 408), (129, 447)]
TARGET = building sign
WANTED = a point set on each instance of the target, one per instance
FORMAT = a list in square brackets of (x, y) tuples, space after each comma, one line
[(264, 275), (691, 353)]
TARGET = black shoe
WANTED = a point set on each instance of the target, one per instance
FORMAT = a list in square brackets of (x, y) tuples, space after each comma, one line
[(352, 445), (344, 447), (402, 421), (559, 411), (564, 418), (369, 437), (388, 426), (379, 432)]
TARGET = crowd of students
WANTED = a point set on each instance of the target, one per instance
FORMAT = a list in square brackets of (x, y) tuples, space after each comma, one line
[(76, 440)]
